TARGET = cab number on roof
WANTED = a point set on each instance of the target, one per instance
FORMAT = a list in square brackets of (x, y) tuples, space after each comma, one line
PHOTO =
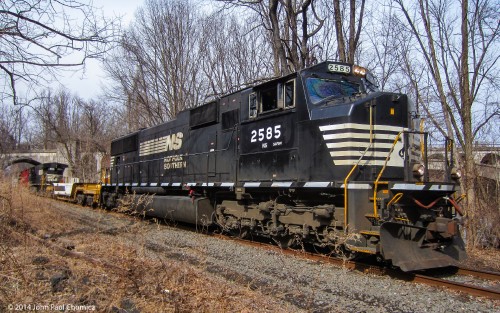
[(339, 68)]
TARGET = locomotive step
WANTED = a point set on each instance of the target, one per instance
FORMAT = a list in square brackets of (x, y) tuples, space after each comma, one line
[(372, 216), (367, 250), (370, 233), (374, 219)]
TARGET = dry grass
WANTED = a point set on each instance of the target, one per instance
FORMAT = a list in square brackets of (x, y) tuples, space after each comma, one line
[(487, 258), (109, 272), (105, 271)]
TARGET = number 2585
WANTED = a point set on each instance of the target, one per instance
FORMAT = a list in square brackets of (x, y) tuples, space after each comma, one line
[(267, 133)]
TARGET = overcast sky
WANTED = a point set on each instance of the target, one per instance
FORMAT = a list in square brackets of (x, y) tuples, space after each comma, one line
[(87, 84)]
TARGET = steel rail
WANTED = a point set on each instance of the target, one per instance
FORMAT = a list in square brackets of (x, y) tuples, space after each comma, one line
[(480, 274), (456, 286)]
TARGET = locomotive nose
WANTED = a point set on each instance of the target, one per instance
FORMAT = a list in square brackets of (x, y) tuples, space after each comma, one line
[(406, 247)]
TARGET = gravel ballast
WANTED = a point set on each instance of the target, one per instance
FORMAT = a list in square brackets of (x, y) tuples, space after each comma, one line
[(298, 284)]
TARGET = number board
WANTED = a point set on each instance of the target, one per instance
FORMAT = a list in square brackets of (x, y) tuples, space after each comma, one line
[(339, 68), (267, 135)]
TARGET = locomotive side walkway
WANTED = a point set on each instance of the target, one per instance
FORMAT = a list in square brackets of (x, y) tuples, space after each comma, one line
[(118, 262)]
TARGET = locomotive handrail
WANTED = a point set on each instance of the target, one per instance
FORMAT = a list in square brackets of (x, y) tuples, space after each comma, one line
[(375, 183), (184, 155), (346, 181), (395, 199)]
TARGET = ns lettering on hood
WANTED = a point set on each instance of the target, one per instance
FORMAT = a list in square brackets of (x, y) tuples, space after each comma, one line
[(171, 142)]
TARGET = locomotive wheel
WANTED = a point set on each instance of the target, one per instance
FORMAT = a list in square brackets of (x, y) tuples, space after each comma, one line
[(284, 241), (241, 233), (79, 199), (347, 254), (89, 201)]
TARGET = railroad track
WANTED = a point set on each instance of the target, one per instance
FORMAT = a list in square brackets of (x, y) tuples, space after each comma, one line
[(473, 289), (468, 288), (431, 279)]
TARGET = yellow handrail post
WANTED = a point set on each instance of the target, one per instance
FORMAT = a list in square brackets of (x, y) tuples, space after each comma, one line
[(346, 180), (345, 195), (375, 184)]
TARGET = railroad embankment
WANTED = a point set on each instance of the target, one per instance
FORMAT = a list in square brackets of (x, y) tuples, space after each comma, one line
[(57, 256)]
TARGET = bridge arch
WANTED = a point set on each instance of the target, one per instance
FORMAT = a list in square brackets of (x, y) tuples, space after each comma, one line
[(436, 156), (491, 159), (23, 160)]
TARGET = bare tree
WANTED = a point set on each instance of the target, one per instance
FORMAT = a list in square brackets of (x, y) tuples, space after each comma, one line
[(79, 129), (289, 26), (59, 121), (233, 54), (348, 42), (461, 67), (39, 37), (157, 64), (14, 122), (7, 132), (382, 56)]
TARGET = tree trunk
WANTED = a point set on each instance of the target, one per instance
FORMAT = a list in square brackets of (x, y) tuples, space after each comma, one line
[(280, 67), (339, 31)]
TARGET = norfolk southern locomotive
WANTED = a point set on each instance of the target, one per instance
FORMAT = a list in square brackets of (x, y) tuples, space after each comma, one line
[(319, 156)]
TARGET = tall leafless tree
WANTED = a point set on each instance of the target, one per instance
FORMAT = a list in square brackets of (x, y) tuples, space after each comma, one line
[(79, 129), (289, 26), (158, 64), (348, 41), (457, 43), (232, 54), (39, 37)]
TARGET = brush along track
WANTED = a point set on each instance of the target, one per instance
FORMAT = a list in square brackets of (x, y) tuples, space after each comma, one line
[(295, 283), (317, 258), (430, 277), (471, 289)]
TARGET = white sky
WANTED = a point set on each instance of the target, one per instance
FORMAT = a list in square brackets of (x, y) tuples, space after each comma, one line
[(88, 83)]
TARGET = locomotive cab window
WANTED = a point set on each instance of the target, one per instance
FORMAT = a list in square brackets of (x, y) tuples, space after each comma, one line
[(289, 94), (252, 105), (320, 89), (279, 96), (269, 99)]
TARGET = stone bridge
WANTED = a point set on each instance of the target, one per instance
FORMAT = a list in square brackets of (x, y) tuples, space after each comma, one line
[(487, 159), (44, 156)]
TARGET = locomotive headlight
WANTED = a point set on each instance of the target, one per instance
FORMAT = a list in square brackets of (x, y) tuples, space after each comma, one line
[(418, 170), (456, 173), (359, 71)]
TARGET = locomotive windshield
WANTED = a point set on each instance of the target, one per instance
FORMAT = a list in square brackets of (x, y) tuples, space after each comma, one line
[(334, 83), (320, 89)]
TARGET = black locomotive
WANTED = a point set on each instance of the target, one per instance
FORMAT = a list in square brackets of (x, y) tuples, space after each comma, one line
[(319, 156), (41, 176)]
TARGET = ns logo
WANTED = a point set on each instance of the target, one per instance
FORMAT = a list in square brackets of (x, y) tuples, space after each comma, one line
[(158, 145), (174, 141)]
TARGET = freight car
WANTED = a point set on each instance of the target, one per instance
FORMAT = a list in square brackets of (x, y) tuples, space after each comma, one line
[(86, 194), (319, 156), (47, 179)]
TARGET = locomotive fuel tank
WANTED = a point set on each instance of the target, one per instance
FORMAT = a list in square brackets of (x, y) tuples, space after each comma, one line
[(197, 210)]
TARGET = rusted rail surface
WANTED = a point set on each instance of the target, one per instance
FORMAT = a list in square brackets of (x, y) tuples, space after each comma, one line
[(480, 274), (466, 288)]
